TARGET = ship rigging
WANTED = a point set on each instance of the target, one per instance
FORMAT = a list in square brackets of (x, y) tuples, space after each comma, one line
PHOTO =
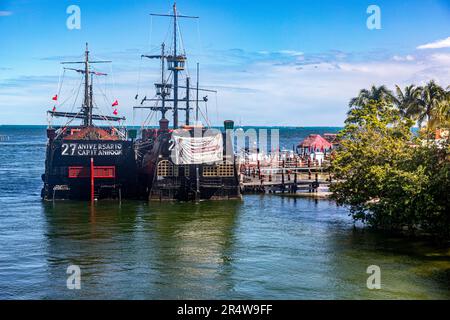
[(86, 161), (86, 110), (188, 161), (176, 63)]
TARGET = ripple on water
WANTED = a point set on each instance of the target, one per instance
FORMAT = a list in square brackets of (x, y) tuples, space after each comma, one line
[(263, 247)]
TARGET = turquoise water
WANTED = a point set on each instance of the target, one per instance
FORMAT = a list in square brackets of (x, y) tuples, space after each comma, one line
[(261, 247)]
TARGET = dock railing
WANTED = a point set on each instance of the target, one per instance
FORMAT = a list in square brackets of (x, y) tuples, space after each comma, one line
[(281, 173)]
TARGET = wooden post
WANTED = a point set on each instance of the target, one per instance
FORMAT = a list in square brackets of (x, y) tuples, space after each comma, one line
[(197, 189), (294, 189), (92, 180), (317, 180), (282, 177), (261, 188), (259, 169)]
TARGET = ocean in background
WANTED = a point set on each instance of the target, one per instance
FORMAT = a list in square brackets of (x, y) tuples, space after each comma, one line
[(289, 136), (266, 246)]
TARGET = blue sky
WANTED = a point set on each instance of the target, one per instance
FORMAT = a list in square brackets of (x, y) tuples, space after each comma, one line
[(274, 62)]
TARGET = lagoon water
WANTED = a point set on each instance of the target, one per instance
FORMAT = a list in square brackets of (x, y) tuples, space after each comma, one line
[(263, 247)]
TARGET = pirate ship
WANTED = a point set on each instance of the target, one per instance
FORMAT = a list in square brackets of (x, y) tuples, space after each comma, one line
[(87, 161), (190, 161)]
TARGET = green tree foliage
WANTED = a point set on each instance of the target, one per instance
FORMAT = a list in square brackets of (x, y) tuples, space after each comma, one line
[(381, 94), (385, 174), (430, 104)]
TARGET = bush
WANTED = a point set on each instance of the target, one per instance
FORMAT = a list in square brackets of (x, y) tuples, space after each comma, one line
[(387, 176)]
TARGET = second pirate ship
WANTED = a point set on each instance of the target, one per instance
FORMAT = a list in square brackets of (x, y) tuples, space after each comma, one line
[(187, 161)]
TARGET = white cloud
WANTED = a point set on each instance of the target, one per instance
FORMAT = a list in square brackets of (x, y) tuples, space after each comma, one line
[(292, 53), (5, 13), (405, 58), (439, 44), (265, 91), (441, 58)]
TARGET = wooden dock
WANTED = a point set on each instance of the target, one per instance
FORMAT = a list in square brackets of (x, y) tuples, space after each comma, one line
[(263, 179)]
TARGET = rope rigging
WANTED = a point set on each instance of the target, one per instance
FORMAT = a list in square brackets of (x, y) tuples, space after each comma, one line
[(176, 62)]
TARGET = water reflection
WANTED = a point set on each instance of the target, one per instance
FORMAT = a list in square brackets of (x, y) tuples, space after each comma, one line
[(193, 244), (265, 247), (140, 250)]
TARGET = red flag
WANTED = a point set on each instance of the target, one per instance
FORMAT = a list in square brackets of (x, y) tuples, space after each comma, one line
[(55, 98), (54, 109), (115, 112), (115, 103)]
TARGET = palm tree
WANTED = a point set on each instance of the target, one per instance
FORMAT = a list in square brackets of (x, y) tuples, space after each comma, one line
[(378, 94), (430, 103), (432, 97), (379, 98), (440, 115), (407, 100)]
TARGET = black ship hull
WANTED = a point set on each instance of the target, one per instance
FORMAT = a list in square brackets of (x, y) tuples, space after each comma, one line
[(168, 181), (190, 184), (68, 170), (88, 161)]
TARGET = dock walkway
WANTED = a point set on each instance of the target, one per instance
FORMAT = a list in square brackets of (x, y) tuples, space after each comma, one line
[(268, 179)]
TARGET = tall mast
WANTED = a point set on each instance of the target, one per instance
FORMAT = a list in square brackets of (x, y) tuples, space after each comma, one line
[(176, 63), (196, 99), (188, 109), (91, 99), (163, 82), (175, 71), (86, 113), (87, 95)]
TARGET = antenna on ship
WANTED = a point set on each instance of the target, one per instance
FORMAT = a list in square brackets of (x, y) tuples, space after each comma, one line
[(87, 107)]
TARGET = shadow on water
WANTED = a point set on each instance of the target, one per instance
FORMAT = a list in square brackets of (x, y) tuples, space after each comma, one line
[(411, 268), (264, 247), (140, 250), (315, 251)]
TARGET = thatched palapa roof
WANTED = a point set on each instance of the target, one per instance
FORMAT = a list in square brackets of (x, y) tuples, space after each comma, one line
[(315, 142)]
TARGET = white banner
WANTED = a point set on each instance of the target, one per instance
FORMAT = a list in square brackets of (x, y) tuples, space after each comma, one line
[(189, 150)]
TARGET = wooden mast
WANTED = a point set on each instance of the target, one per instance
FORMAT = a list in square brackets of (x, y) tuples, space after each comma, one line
[(87, 95), (175, 69), (86, 114)]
